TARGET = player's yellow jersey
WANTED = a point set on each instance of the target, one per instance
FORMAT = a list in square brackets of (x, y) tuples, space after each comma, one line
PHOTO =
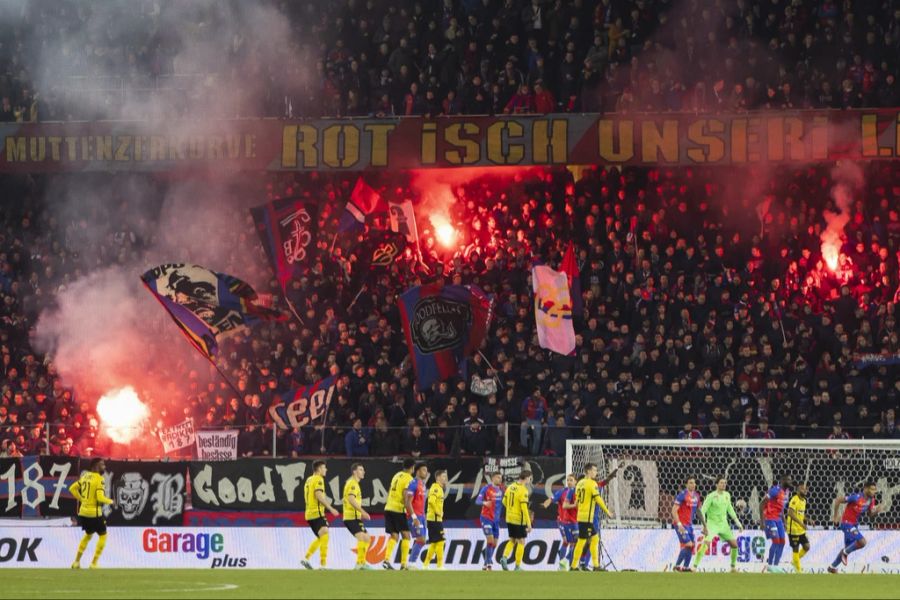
[(88, 490), (587, 497), (397, 493), (515, 501), (435, 512), (797, 526), (351, 488), (314, 508)]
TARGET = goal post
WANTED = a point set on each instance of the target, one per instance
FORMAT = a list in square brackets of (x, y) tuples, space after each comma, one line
[(652, 472)]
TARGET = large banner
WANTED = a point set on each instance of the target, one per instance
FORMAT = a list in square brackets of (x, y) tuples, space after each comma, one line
[(281, 547), (408, 143), (275, 484), (146, 493)]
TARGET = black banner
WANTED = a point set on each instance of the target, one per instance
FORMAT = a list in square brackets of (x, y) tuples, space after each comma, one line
[(273, 485), (146, 493)]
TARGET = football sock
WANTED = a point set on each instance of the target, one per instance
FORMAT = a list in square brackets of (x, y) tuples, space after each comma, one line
[(579, 549), (362, 548), (414, 553), (733, 557), (520, 554), (323, 549), (404, 552), (313, 547), (700, 552), (101, 544), (82, 546), (440, 554), (389, 549), (795, 559), (429, 554), (595, 550)]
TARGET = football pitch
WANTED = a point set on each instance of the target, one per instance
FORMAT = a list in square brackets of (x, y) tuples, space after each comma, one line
[(124, 583)]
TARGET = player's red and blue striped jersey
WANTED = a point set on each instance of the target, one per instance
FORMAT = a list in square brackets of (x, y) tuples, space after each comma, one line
[(416, 489), (687, 502), (565, 516), (776, 500), (491, 500), (857, 506)]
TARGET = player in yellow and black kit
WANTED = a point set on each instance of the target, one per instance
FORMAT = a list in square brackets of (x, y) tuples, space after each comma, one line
[(396, 521), (88, 490), (587, 497), (435, 519), (796, 526), (316, 505), (354, 515), (518, 519)]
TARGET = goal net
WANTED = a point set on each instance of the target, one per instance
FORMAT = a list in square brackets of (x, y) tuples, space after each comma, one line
[(651, 473)]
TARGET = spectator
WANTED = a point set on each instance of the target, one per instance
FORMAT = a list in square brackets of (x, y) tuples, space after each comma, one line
[(534, 409), (543, 99), (356, 441)]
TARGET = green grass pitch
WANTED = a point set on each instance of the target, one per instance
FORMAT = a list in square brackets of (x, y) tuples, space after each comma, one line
[(197, 584)]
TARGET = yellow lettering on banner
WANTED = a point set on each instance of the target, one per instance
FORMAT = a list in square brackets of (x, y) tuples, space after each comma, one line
[(54, 146), (139, 147), (15, 149), (124, 143), (378, 150), (819, 135), (214, 148), (177, 148), (336, 138), (607, 140), (104, 147), (249, 145), (654, 142), (288, 146), (306, 146), (775, 138), (37, 149), (194, 148), (552, 148), (897, 135), (157, 147), (428, 155), (712, 144), (86, 147), (471, 150), (233, 143), (869, 133), (794, 138), (71, 150), (739, 140), (504, 152)]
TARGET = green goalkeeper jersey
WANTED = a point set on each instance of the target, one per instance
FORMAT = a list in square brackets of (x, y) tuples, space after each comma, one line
[(717, 508)]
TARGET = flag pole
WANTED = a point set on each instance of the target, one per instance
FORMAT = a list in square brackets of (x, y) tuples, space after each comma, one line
[(225, 377), (356, 297), (497, 379), (293, 310)]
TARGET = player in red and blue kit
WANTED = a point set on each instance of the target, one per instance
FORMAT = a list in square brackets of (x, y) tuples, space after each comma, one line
[(772, 508), (490, 499), (566, 520), (683, 511), (415, 506), (857, 506)]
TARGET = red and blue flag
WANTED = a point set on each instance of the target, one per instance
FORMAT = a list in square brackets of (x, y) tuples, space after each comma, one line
[(444, 325), (288, 229)]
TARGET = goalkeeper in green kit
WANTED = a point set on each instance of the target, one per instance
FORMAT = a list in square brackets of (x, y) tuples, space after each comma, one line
[(716, 509)]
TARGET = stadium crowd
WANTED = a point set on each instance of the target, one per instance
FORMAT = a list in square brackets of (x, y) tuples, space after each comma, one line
[(75, 59), (708, 312)]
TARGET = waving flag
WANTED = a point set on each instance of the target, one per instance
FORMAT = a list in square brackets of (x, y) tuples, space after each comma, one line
[(363, 202), (206, 305), (288, 230), (444, 325), (303, 405), (570, 268), (553, 310)]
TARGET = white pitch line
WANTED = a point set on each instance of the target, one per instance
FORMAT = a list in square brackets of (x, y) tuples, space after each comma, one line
[(225, 587)]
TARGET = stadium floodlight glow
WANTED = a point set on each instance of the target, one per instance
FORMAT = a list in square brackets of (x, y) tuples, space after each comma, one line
[(122, 414)]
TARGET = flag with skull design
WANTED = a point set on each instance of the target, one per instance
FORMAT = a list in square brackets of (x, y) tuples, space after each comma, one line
[(443, 325), (288, 228)]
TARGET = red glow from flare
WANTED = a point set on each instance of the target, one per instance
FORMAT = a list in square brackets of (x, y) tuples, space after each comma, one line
[(122, 415), (443, 230)]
